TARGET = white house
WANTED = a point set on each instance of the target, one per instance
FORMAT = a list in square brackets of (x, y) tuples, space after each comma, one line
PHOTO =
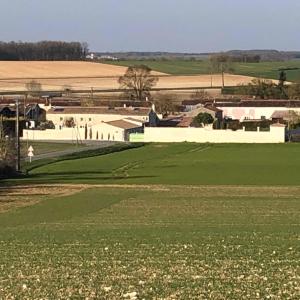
[(256, 109), (91, 116)]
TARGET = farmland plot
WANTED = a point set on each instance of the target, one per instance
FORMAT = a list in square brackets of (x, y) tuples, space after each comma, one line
[(163, 242)]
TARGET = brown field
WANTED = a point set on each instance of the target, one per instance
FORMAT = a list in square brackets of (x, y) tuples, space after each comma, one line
[(84, 75)]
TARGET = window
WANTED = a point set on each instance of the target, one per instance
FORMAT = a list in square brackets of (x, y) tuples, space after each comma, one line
[(81, 119), (61, 118), (90, 119)]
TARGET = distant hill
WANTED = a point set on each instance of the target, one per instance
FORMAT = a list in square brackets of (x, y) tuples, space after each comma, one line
[(265, 55), (154, 55)]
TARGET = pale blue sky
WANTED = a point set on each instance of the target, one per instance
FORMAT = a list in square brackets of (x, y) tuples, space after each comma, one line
[(156, 25)]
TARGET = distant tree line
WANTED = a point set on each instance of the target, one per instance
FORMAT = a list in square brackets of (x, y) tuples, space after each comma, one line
[(44, 50), (246, 58)]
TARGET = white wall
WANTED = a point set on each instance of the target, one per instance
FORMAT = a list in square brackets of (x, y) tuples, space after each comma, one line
[(105, 132), (240, 113), (204, 135)]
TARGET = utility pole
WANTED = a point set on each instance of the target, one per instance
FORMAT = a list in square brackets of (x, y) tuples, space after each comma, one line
[(18, 168), (222, 70), (92, 92)]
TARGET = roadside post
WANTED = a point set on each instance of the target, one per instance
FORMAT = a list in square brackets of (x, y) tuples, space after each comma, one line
[(30, 153)]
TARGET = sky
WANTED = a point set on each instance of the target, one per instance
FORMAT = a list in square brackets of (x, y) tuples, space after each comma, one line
[(155, 25)]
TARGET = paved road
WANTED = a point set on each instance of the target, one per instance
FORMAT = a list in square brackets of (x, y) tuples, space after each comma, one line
[(54, 154)]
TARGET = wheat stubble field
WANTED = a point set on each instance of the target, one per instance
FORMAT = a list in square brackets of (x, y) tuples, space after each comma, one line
[(56, 75)]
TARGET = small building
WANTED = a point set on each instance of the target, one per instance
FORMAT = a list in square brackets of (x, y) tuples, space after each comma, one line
[(215, 112), (256, 109), (120, 130)]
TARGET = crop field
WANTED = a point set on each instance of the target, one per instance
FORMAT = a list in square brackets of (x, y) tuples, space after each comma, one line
[(181, 221), (57, 76), (186, 163), (262, 70)]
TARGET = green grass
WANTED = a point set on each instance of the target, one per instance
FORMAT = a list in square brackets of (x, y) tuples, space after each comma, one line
[(185, 163), (171, 243), (179, 67), (85, 153), (178, 221)]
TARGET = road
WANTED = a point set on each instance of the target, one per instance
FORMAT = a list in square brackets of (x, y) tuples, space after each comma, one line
[(90, 146)]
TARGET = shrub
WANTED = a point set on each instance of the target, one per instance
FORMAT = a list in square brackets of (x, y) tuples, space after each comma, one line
[(202, 119)]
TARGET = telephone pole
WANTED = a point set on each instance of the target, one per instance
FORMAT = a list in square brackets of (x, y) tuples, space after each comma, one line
[(18, 167)]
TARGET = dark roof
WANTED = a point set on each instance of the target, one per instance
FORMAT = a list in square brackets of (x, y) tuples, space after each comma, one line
[(122, 124), (193, 102), (280, 114), (136, 111), (185, 122)]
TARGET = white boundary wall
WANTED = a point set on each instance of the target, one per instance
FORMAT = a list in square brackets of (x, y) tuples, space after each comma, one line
[(208, 135), (105, 132)]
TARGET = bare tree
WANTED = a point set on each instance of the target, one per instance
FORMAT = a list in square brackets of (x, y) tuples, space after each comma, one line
[(293, 119), (164, 103), (87, 102), (200, 94), (221, 63), (34, 88), (7, 152), (138, 81), (294, 91), (67, 90)]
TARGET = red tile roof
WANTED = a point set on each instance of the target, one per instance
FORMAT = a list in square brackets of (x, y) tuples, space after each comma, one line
[(137, 111), (185, 122)]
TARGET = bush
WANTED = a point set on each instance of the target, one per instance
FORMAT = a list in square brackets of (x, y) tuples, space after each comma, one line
[(6, 171), (202, 119)]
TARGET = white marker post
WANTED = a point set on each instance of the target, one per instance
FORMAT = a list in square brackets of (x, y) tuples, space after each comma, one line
[(30, 153)]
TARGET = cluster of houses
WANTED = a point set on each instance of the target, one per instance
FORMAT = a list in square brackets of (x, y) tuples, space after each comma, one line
[(129, 123)]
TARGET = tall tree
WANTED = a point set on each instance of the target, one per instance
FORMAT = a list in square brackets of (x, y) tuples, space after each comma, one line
[(221, 63), (138, 81), (7, 153), (282, 78), (44, 50), (164, 103), (34, 88)]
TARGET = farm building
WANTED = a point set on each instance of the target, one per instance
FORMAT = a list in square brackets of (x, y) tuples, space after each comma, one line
[(215, 112), (94, 123), (118, 130), (256, 109), (91, 116), (245, 109)]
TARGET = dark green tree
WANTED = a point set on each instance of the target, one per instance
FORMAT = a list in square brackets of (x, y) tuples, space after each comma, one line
[(202, 118)]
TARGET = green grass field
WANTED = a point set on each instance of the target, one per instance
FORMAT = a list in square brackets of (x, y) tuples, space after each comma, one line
[(179, 67), (181, 221), (186, 163)]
